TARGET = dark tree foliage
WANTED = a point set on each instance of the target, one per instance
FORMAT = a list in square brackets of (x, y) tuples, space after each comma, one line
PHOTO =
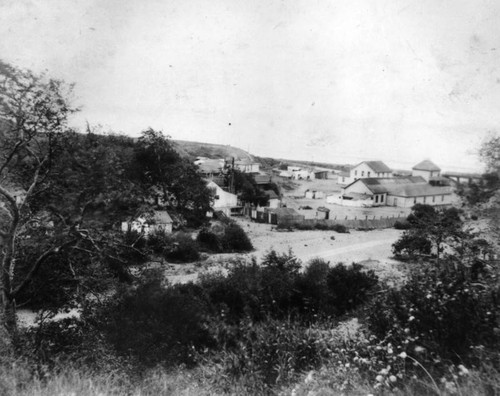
[(248, 190), (175, 180), (429, 228)]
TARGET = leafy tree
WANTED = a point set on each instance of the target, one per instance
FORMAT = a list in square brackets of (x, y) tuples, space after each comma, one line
[(248, 190), (490, 153), (33, 116), (429, 228), (161, 169)]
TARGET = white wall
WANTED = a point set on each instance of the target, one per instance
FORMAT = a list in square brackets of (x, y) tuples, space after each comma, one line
[(363, 170), (222, 198), (358, 187), (425, 174)]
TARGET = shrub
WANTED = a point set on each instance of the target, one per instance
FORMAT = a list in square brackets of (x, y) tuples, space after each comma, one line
[(402, 225), (156, 325), (349, 287), (235, 239), (411, 245), (442, 312), (183, 249), (209, 240), (270, 353), (158, 241), (322, 226), (340, 228), (304, 226)]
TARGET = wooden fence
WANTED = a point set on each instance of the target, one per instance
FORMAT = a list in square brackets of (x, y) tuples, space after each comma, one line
[(367, 222)]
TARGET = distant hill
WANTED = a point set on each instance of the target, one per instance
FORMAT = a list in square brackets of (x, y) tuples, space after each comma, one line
[(192, 150)]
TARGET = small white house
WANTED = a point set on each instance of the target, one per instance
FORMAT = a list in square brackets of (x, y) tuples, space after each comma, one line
[(223, 200), (274, 200), (160, 220)]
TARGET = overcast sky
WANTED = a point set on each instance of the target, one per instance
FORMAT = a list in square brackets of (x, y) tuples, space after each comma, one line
[(326, 80)]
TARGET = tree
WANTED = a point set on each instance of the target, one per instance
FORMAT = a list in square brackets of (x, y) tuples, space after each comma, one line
[(162, 169), (429, 228), (34, 112), (490, 153)]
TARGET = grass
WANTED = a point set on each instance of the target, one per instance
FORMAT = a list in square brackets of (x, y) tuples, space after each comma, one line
[(330, 380)]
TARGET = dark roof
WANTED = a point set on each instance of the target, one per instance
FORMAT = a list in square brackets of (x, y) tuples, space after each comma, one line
[(427, 165), (262, 179), (418, 190), (377, 166), (380, 185), (271, 194)]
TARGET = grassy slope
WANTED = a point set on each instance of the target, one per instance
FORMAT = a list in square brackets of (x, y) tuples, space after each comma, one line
[(192, 150)]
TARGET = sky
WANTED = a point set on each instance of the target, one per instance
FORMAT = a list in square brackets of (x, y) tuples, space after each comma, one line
[(338, 81)]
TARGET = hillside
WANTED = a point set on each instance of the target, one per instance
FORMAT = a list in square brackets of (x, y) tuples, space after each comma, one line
[(192, 150)]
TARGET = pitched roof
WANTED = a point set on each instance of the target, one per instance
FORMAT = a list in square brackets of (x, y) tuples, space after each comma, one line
[(271, 194), (418, 190), (161, 217), (377, 166), (262, 179), (427, 165), (380, 185)]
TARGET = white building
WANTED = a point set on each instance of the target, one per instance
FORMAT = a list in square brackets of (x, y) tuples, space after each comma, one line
[(223, 200), (160, 220), (427, 169), (394, 191)]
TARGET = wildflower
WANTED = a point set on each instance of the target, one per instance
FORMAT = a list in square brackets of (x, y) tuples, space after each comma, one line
[(347, 365), (462, 370), (390, 351), (411, 318), (379, 378), (419, 349), (393, 378), (428, 296), (403, 355), (309, 377)]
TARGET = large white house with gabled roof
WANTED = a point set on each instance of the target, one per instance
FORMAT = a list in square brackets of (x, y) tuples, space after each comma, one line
[(366, 169)]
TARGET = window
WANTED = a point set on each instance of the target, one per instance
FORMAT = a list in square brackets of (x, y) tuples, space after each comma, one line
[(382, 198), (362, 173), (355, 173), (376, 198), (442, 198), (368, 174), (425, 199), (433, 198)]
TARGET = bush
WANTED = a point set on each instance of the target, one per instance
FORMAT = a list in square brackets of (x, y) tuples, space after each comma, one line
[(269, 353), (349, 287), (235, 239), (402, 225), (157, 325), (209, 241), (410, 246), (340, 228), (441, 311), (183, 249), (158, 241)]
